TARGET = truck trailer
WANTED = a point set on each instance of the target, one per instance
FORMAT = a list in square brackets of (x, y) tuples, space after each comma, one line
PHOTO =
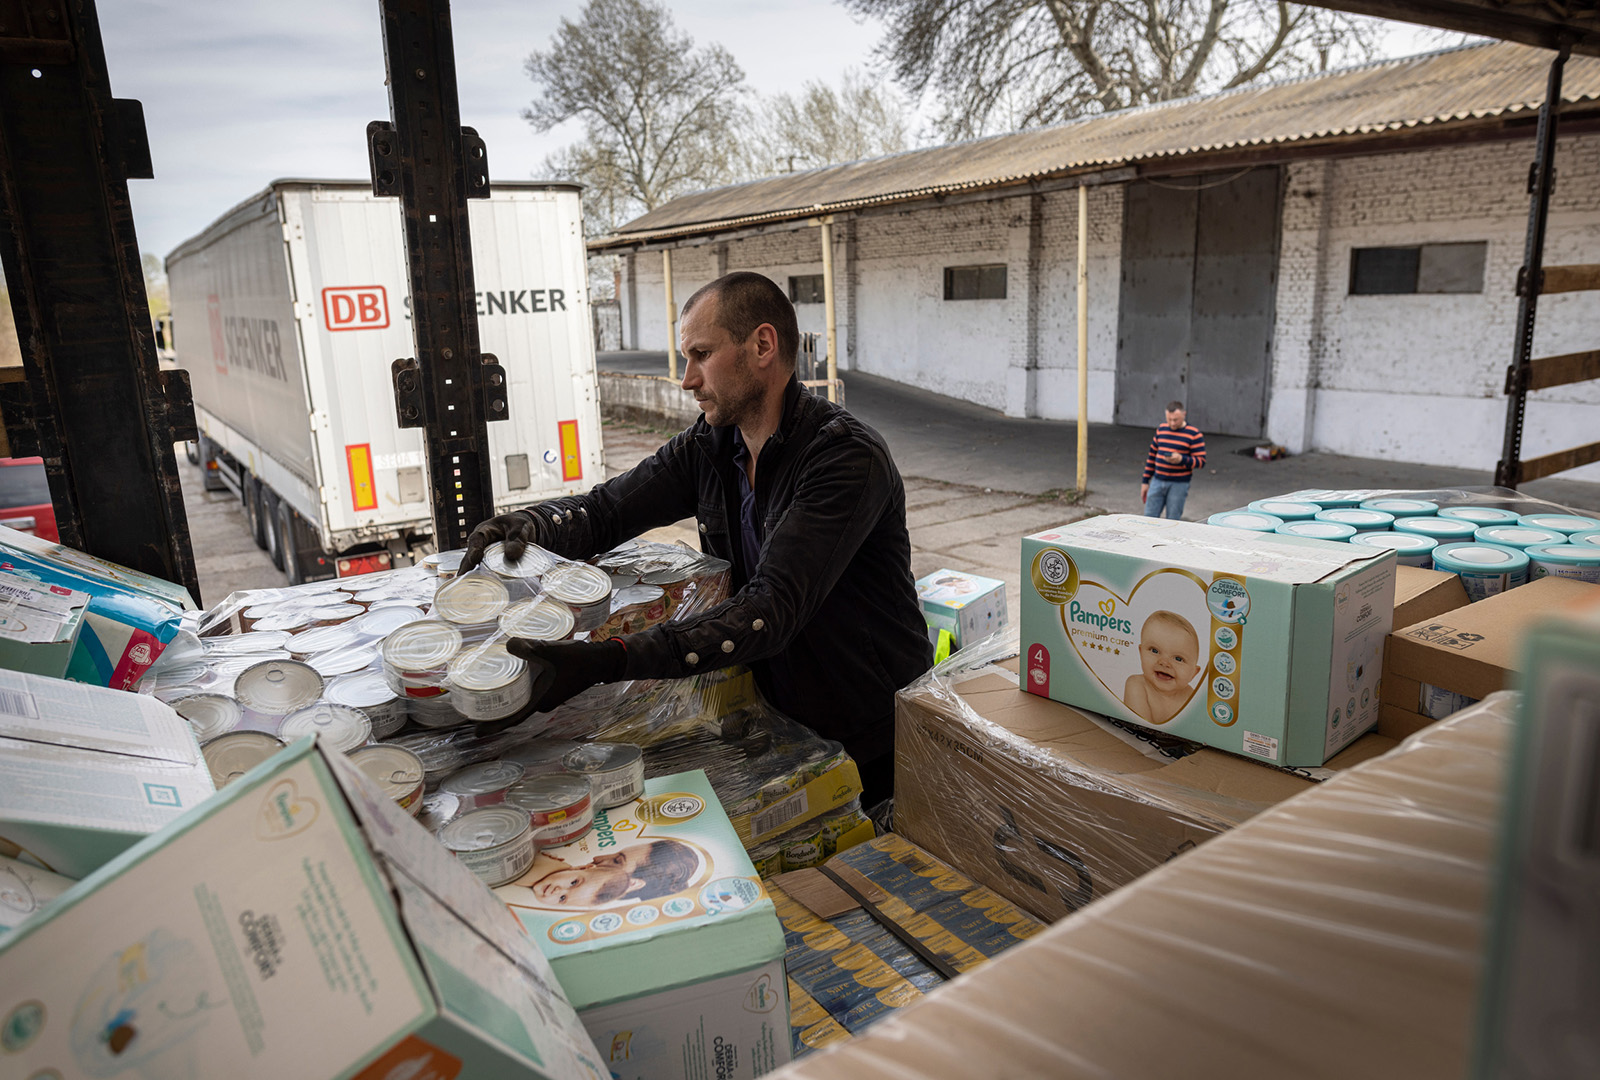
[(288, 311)]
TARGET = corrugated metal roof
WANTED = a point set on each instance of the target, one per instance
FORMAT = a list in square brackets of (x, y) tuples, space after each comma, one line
[(1453, 86)]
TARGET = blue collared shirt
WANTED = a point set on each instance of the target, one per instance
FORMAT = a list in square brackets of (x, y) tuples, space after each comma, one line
[(749, 520)]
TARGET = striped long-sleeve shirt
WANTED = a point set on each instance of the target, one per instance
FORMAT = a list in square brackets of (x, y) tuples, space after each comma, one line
[(1187, 441)]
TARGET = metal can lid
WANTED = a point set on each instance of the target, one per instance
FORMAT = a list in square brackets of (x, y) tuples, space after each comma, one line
[(577, 583), (540, 620), (232, 755), (344, 661), (535, 560), (540, 755), (487, 668), (321, 639), (394, 768), (277, 687), (438, 810), (542, 794), (295, 619), (340, 726), (333, 612), (621, 579), (485, 828), (444, 560), (635, 595), (665, 577), (602, 757), (483, 778), (259, 641), (381, 622), (424, 645), (470, 600), (209, 714), (361, 690)]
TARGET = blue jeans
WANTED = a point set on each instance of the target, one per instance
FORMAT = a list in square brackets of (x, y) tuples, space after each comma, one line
[(1168, 493)]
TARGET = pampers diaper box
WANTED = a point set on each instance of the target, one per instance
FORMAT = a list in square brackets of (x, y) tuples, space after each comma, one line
[(1258, 643), (298, 924), (663, 938)]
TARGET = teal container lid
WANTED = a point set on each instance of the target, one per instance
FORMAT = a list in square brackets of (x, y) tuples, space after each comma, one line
[(1328, 500), (1561, 523), (1518, 536), (1359, 519), (1444, 530), (1479, 558), (1483, 515), (1403, 542), (1319, 530), (1565, 554), (1249, 520), (1586, 539), (1402, 507), (1287, 509)]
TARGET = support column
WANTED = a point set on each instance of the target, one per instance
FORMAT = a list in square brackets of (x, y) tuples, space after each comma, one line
[(828, 307), (672, 316), (632, 262), (1030, 385), (1083, 339)]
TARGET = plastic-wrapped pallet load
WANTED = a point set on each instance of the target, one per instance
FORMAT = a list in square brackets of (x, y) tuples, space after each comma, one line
[(878, 927), (1339, 934), (1052, 806)]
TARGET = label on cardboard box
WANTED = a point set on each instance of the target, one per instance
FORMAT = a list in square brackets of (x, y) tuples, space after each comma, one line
[(1208, 633)]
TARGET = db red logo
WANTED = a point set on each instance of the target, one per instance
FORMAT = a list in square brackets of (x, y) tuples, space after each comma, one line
[(140, 653), (356, 307)]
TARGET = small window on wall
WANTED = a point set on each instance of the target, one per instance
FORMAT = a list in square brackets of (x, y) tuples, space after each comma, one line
[(1424, 268), (975, 283), (806, 289)]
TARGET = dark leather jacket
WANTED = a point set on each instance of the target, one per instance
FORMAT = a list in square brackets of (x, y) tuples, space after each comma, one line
[(828, 619)]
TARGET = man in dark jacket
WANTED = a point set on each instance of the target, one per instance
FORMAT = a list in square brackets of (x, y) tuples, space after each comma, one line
[(805, 502)]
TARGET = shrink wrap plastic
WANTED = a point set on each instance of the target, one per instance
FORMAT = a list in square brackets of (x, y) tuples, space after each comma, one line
[(1338, 934)]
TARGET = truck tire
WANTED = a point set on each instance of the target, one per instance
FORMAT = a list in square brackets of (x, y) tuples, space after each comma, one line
[(288, 544), (255, 507)]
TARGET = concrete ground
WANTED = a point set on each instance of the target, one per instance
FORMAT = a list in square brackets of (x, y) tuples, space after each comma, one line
[(226, 558)]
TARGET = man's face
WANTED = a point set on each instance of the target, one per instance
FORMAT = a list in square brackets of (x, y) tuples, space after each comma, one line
[(1176, 418), (717, 369), (1168, 655)]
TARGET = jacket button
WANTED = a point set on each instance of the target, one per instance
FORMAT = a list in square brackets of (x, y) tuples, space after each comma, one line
[(693, 658), (727, 646), (702, 526), (758, 624)]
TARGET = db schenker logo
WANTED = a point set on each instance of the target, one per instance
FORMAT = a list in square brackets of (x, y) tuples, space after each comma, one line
[(355, 307)]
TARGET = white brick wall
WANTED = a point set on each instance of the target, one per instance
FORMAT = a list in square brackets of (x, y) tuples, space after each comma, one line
[(1419, 378)]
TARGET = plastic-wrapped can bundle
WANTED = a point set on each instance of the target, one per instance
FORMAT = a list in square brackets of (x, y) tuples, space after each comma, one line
[(416, 657), (438, 711), (560, 807), (488, 683), (534, 562), (321, 639), (339, 726), (496, 843), (484, 784), (472, 600), (380, 622), (275, 688), (615, 771), (396, 770), (636, 608), (538, 620), (440, 756), (443, 564), (209, 715), (438, 810), (370, 692), (232, 755), (583, 588)]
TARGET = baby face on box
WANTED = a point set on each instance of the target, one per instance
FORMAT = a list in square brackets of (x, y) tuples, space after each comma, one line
[(1169, 651)]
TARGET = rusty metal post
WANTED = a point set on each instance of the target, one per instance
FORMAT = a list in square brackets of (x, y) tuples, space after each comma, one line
[(96, 404), (424, 156)]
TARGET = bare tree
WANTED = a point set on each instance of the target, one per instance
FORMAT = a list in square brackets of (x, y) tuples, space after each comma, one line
[(822, 125), (656, 110), (1050, 60)]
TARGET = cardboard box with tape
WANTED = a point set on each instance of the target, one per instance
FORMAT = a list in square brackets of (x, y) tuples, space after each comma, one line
[(1052, 807)]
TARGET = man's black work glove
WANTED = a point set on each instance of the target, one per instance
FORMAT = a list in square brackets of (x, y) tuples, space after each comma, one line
[(516, 529), (563, 669)]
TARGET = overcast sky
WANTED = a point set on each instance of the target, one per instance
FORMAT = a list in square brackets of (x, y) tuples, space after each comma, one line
[(238, 93)]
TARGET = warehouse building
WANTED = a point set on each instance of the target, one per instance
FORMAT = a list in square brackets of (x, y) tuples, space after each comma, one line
[(1328, 262)]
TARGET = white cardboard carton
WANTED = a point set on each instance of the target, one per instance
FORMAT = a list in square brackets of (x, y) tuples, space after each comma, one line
[(87, 772), (296, 925), (969, 606)]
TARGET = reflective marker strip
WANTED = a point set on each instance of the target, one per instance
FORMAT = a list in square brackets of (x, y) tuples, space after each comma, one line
[(363, 489), (571, 459)]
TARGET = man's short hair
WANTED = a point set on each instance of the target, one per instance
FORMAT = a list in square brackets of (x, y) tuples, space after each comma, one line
[(746, 300), (1175, 406)]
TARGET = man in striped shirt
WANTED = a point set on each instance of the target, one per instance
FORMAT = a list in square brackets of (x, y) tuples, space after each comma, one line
[(1177, 450)]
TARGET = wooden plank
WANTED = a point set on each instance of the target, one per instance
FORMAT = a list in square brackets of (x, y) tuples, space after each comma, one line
[(1579, 277), (1560, 461), (1548, 371)]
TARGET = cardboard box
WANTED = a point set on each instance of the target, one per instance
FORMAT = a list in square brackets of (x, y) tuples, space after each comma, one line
[(86, 772), (663, 937), (969, 606), (130, 616), (1051, 807), (296, 925), (1475, 650), (1425, 594), (1337, 935), (39, 626), (1259, 644), (25, 890), (851, 964)]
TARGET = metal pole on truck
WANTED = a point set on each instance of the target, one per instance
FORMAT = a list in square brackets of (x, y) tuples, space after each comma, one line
[(672, 315), (429, 161), (1083, 339)]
